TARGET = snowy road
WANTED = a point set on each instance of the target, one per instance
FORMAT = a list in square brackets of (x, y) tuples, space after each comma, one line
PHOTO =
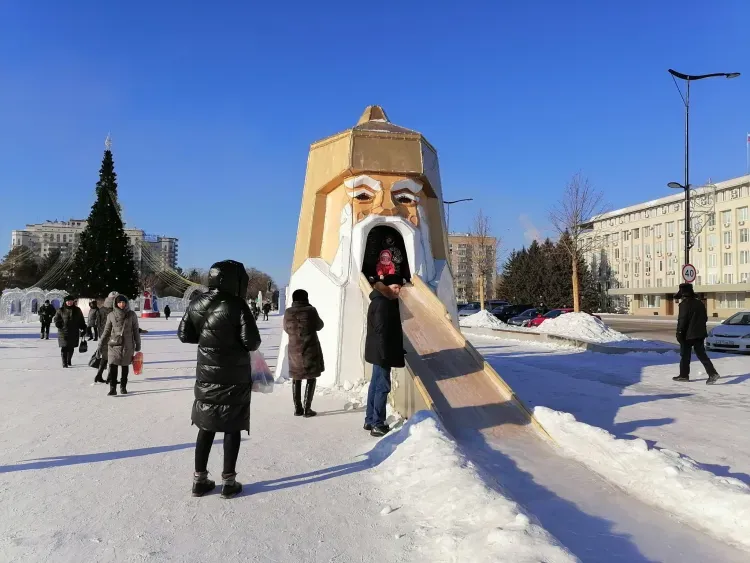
[(85, 477), (630, 396)]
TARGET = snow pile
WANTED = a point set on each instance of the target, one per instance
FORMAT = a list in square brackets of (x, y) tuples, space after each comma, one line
[(355, 395), (458, 517), (660, 477), (482, 319), (581, 326)]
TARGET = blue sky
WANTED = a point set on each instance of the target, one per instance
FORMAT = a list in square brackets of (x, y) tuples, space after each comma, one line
[(212, 106)]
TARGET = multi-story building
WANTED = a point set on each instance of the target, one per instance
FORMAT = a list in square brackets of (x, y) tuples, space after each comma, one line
[(150, 252), (467, 252), (644, 247)]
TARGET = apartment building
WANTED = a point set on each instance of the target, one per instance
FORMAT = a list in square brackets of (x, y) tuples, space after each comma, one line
[(150, 252), (644, 246), (466, 252)]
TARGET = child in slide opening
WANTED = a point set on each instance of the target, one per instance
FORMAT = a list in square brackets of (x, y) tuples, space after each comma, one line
[(385, 265)]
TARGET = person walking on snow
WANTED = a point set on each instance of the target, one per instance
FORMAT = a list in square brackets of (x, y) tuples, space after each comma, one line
[(122, 340), (46, 314), (255, 310), (71, 326), (266, 310), (167, 312), (221, 323), (104, 311), (302, 323), (691, 332), (93, 321), (384, 349)]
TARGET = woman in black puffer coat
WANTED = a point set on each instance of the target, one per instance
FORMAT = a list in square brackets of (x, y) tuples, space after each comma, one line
[(71, 326), (221, 323)]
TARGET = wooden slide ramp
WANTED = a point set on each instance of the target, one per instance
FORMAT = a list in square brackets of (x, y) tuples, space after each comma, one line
[(467, 394)]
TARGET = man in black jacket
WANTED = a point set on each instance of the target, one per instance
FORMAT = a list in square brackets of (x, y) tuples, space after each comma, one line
[(71, 326), (46, 314), (384, 349), (221, 323), (691, 332)]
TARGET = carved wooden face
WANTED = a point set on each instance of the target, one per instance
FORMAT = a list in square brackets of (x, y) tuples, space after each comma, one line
[(388, 196)]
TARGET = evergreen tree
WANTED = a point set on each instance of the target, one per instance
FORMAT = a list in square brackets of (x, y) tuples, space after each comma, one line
[(104, 258), (18, 269)]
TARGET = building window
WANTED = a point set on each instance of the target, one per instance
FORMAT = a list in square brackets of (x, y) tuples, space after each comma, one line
[(636, 268), (743, 235), (626, 253), (658, 230), (626, 236), (727, 237), (58, 237), (730, 300), (713, 278), (711, 221), (712, 262), (661, 265), (744, 256), (697, 243), (627, 267), (712, 241), (636, 233), (659, 248), (670, 229), (659, 282), (617, 253), (651, 301), (727, 278), (681, 225), (727, 258), (637, 251), (744, 277), (697, 280), (742, 214), (726, 217), (647, 268), (670, 246), (647, 283)]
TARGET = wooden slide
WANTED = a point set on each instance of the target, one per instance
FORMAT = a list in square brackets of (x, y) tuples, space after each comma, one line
[(468, 395)]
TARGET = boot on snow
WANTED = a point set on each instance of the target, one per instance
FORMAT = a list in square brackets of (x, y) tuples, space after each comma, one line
[(380, 431), (712, 379), (124, 385), (112, 387), (681, 378), (230, 487), (202, 484), (297, 397), (98, 378), (64, 356), (309, 394)]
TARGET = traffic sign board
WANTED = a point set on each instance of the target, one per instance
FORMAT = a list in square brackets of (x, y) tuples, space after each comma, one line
[(689, 273)]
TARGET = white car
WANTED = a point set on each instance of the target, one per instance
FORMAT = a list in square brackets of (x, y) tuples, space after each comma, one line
[(731, 335)]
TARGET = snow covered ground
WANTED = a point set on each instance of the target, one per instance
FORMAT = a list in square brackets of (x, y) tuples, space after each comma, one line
[(86, 477), (633, 397)]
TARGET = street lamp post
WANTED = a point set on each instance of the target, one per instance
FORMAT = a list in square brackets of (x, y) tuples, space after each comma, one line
[(686, 186), (448, 210)]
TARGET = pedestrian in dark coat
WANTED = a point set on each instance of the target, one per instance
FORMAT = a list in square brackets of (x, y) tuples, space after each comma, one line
[(103, 351), (266, 310), (122, 339), (221, 323), (302, 323), (93, 321), (255, 310), (46, 314), (384, 349), (691, 333), (167, 312), (71, 326)]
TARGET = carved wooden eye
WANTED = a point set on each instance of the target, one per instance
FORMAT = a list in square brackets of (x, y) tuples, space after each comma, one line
[(404, 199), (363, 197)]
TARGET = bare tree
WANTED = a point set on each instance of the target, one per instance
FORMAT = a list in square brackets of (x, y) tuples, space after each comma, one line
[(580, 202), (483, 255)]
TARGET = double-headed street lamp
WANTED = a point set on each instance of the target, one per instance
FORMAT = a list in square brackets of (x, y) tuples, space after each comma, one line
[(448, 210), (686, 186)]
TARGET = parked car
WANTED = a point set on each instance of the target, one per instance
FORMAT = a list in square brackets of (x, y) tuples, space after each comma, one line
[(523, 318), (731, 335), (553, 314), (472, 307), (507, 312)]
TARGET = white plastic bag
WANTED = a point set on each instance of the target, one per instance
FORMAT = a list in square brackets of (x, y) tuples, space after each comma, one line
[(260, 374)]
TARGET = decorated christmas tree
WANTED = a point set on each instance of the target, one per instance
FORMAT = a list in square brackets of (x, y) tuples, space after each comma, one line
[(104, 258)]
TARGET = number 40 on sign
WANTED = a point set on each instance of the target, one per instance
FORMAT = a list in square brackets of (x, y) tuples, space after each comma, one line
[(688, 273)]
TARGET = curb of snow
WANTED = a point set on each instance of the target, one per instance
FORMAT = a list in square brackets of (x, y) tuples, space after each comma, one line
[(718, 505), (458, 516)]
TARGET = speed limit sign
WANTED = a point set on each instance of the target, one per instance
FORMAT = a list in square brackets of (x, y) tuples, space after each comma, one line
[(688, 273)]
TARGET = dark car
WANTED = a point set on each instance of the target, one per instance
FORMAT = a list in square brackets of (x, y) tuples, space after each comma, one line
[(507, 312), (472, 307), (523, 318)]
